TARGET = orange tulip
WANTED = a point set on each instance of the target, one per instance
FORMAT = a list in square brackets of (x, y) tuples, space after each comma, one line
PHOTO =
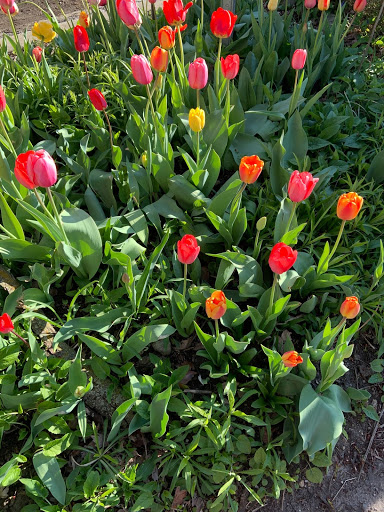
[(166, 37), (349, 206), (323, 5), (350, 308), (250, 168), (216, 305), (83, 19), (159, 59), (291, 359)]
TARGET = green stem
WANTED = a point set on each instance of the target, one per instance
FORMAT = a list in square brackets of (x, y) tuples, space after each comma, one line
[(202, 14), (197, 150), (153, 112), (286, 9), (21, 338), (302, 36), (198, 98), (270, 30), (217, 68), (86, 70), (291, 217), (11, 148), (45, 209), (106, 39), (334, 247), (217, 330), (318, 31), (185, 280), (154, 17), (255, 248), (181, 48), (139, 40), (57, 216), (228, 102), (110, 130), (272, 296), (17, 40), (237, 197), (296, 79)]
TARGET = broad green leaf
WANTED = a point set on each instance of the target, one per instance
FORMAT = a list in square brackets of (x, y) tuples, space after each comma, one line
[(158, 412), (48, 470), (9, 219), (91, 483), (314, 475), (136, 343), (118, 417)]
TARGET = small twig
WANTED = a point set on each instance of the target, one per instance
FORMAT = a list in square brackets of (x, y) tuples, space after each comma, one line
[(197, 391), (345, 481), (371, 442)]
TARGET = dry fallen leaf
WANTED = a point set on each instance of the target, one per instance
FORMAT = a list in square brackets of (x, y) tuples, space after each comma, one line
[(179, 497)]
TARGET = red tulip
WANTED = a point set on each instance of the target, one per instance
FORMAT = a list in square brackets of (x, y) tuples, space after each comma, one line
[(37, 52), (141, 69), (159, 59), (97, 99), (282, 258), (35, 169), (167, 37), (175, 12), (129, 13), (3, 101), (298, 59), (291, 359), (300, 186), (81, 39), (6, 324), (187, 249), (222, 23), (359, 5), (198, 74), (230, 66)]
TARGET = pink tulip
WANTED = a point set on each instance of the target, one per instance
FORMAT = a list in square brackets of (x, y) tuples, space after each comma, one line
[(198, 74), (359, 5), (129, 13), (298, 59), (309, 4), (301, 185), (35, 169), (7, 4), (3, 102), (141, 69), (12, 9)]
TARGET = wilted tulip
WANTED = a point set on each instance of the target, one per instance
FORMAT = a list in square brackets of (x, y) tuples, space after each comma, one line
[(291, 359), (349, 206), (350, 308), (35, 169), (141, 69)]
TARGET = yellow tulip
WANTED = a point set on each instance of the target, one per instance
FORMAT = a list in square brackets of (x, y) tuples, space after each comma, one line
[(196, 119), (272, 5), (43, 31)]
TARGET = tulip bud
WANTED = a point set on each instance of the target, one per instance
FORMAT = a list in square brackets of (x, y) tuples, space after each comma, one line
[(37, 53), (159, 81), (196, 119), (261, 223), (3, 101), (272, 5), (216, 305), (359, 5), (159, 59), (6, 324), (305, 28), (349, 206), (350, 308), (250, 168), (81, 39), (166, 37), (291, 359), (125, 278), (141, 69), (198, 74), (79, 391), (323, 5), (298, 59), (97, 99)]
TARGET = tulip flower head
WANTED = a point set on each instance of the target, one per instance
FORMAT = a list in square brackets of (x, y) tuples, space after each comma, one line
[(37, 53), (6, 324), (359, 5), (159, 59), (222, 23), (349, 206), (175, 12), (7, 4), (230, 66), (81, 39), (141, 69), (250, 168), (198, 74), (298, 59), (97, 99), (129, 13), (3, 101), (83, 20), (291, 359), (166, 37), (272, 5), (196, 119), (216, 305), (310, 4), (35, 169), (323, 5), (187, 249), (300, 186), (13, 9), (43, 31), (282, 258), (350, 308)]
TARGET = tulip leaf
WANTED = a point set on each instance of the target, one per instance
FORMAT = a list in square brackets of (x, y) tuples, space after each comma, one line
[(376, 169)]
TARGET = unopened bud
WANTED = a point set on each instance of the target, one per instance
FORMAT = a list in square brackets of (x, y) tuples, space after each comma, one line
[(305, 28), (159, 81), (125, 278), (79, 392), (144, 159), (261, 223)]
